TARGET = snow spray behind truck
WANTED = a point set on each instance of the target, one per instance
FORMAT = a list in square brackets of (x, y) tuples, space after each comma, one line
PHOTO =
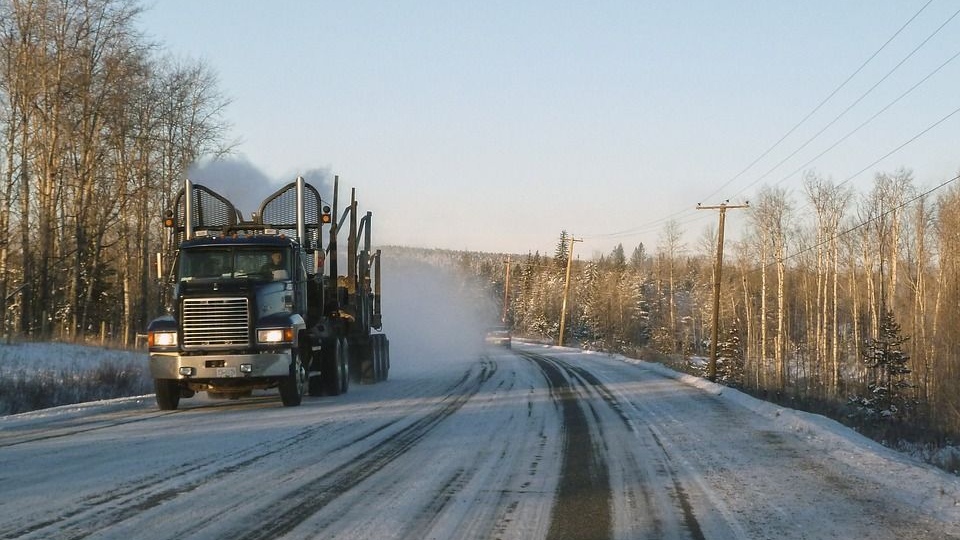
[(251, 307)]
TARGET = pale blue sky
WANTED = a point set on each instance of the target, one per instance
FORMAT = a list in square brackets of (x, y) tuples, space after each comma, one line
[(494, 125)]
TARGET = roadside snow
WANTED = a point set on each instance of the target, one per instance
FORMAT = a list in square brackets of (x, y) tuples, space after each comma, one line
[(481, 449), (37, 357), (67, 412), (43, 375), (908, 479)]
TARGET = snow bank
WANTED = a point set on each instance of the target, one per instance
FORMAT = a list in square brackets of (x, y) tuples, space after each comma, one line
[(43, 375), (908, 478)]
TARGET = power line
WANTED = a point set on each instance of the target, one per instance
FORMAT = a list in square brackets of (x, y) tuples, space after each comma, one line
[(898, 148), (825, 100), (872, 118), (883, 157), (878, 160), (858, 100), (652, 225), (863, 223)]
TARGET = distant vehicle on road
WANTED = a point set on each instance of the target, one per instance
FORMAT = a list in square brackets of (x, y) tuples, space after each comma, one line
[(498, 335)]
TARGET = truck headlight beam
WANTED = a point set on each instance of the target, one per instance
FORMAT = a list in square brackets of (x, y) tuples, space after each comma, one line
[(275, 335), (163, 338)]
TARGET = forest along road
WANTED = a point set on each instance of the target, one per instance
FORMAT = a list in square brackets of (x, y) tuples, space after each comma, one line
[(536, 442)]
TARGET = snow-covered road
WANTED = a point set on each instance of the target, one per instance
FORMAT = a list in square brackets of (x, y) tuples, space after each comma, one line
[(536, 442)]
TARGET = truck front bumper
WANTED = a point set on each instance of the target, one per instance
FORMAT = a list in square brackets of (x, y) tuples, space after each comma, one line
[(219, 366)]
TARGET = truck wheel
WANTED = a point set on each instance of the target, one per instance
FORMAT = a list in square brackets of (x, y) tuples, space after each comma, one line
[(332, 368), (356, 361), (168, 394), (315, 383), (291, 386), (385, 355), (345, 365), (380, 354), (375, 357)]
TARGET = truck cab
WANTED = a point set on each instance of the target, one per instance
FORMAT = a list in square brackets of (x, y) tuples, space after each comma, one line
[(250, 307), (239, 312)]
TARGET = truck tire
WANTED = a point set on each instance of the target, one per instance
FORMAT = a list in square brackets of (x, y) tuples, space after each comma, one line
[(291, 386), (376, 357), (368, 367), (380, 361), (332, 368), (385, 356), (315, 383), (344, 365), (168, 394), (357, 371)]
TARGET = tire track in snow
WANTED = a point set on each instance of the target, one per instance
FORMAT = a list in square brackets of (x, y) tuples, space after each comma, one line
[(306, 500), (96, 512), (683, 500), (582, 504), (666, 505), (86, 426), (58, 428), (489, 471)]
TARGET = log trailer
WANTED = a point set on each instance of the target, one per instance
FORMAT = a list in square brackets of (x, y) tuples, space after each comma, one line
[(251, 308)]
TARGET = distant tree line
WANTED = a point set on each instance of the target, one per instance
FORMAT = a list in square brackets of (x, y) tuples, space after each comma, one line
[(834, 301), (98, 128)]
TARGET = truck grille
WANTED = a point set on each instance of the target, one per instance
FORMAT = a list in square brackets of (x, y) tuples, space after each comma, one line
[(215, 322)]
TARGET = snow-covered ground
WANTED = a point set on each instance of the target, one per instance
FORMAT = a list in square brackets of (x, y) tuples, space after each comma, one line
[(61, 357), (43, 375), (484, 445), (465, 442), (906, 478)]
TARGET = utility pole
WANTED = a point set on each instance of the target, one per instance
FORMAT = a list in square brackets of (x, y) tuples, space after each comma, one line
[(722, 207), (506, 293), (566, 289)]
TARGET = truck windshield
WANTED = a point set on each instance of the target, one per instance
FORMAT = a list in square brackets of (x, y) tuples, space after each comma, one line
[(260, 262)]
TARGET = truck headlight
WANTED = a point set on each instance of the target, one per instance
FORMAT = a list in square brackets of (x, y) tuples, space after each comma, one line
[(162, 338), (275, 335)]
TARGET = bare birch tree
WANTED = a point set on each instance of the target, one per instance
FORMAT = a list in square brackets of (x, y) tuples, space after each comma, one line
[(669, 250), (829, 202), (80, 140), (770, 216)]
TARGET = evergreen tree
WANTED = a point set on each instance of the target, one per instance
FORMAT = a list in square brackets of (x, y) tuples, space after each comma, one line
[(884, 356), (562, 251), (594, 312), (638, 257), (730, 358), (618, 260)]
